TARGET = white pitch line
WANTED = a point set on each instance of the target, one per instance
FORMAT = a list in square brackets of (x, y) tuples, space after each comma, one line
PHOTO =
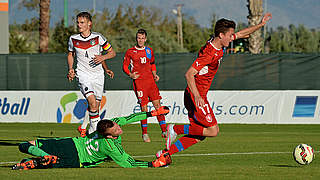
[(208, 154), (223, 154), (13, 162)]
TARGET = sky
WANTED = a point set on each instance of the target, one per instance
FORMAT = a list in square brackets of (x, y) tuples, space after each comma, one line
[(285, 12)]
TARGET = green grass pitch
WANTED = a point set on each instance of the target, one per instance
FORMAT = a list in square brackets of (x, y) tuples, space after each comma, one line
[(239, 152)]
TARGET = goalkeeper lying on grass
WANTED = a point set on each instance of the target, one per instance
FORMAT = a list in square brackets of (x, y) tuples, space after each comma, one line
[(91, 150)]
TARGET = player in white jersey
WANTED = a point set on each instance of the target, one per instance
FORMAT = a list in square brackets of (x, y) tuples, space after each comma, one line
[(87, 47)]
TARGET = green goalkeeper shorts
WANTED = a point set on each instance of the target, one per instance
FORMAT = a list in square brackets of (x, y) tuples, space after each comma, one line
[(64, 148)]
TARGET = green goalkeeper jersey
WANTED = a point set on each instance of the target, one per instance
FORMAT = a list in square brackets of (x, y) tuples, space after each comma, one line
[(95, 149)]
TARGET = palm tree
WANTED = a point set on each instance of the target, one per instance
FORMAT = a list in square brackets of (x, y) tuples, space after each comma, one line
[(254, 18), (44, 25)]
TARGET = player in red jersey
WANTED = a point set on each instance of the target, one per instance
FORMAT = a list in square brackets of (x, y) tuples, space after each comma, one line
[(199, 77), (144, 74)]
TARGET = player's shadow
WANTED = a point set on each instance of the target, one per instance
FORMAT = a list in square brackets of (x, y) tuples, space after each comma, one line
[(16, 142), (10, 142), (284, 166), (5, 166), (46, 137), (139, 141)]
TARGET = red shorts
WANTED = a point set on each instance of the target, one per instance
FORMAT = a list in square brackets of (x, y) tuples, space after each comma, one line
[(146, 90), (203, 116)]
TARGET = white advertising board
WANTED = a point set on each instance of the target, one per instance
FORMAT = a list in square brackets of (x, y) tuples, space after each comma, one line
[(247, 107)]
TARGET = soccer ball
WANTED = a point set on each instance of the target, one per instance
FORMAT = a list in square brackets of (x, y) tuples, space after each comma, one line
[(303, 154)]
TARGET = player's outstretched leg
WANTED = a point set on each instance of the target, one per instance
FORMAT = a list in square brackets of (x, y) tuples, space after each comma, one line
[(25, 164), (193, 134), (35, 163), (186, 129)]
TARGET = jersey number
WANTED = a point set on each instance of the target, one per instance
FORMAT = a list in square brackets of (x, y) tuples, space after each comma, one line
[(140, 93), (204, 108), (206, 111), (143, 60)]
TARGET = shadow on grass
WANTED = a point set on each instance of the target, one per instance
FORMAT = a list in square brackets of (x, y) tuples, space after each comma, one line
[(6, 166), (139, 141), (284, 166), (46, 137), (16, 142), (10, 142)]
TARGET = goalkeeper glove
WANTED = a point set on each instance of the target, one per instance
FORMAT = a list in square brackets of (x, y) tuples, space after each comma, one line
[(163, 110), (163, 160)]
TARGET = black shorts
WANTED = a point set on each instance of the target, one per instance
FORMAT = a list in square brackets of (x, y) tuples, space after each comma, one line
[(64, 148)]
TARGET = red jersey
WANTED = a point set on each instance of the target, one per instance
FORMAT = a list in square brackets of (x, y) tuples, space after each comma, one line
[(207, 64), (141, 61)]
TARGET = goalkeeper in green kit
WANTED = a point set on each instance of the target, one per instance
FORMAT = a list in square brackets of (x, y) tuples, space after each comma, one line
[(91, 150)]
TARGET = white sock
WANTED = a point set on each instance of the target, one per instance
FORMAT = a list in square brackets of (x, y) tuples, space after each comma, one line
[(85, 121), (94, 119)]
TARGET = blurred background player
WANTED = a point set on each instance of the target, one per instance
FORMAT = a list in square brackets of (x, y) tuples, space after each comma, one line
[(199, 77), (91, 150), (87, 47), (144, 74)]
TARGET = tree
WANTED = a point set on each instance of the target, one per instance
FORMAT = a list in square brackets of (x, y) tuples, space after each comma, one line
[(296, 39), (44, 25), (19, 43), (30, 4), (194, 35), (31, 26), (254, 18), (242, 44), (43, 7), (214, 19), (120, 28), (59, 40), (116, 22)]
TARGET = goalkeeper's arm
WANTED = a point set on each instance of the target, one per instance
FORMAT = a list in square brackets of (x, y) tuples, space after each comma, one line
[(126, 161), (163, 110)]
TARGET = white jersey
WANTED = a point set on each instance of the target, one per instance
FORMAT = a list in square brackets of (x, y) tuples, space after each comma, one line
[(85, 49)]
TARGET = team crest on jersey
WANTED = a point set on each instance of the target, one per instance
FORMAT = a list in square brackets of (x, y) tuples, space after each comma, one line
[(148, 52), (209, 118), (92, 42)]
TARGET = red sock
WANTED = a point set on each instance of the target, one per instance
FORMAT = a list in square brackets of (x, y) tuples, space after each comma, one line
[(192, 129), (182, 144), (179, 129), (144, 126), (162, 122), (94, 116), (196, 130)]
